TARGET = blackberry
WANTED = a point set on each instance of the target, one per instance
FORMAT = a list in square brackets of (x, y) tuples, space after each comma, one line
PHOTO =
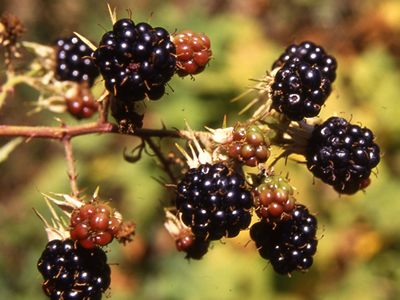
[(93, 224), (195, 248), (289, 245), (73, 272), (342, 154), (249, 145), (310, 53), (214, 202), (274, 198), (299, 90), (81, 103), (193, 52), (73, 61), (136, 61)]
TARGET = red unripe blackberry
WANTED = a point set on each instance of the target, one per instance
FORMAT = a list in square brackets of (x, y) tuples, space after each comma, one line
[(81, 103), (310, 53), (193, 52), (289, 245), (73, 61), (71, 271), (274, 198), (299, 90), (194, 248), (249, 145), (342, 154), (214, 202), (93, 224)]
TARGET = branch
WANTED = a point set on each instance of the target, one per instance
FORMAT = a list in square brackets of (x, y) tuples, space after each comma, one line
[(71, 167), (63, 131)]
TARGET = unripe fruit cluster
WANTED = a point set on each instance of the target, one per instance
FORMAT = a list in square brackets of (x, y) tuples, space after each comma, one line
[(249, 145), (192, 52), (93, 225), (82, 104), (273, 199)]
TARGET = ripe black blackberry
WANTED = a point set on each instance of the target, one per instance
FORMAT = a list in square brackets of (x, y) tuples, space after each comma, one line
[(136, 61), (310, 53), (342, 154), (299, 90), (73, 272), (214, 202), (73, 61), (289, 245)]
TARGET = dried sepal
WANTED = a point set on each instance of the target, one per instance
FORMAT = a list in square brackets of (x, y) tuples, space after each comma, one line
[(203, 155), (59, 228)]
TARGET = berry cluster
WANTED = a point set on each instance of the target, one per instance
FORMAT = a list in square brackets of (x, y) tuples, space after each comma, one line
[(249, 145), (73, 272), (289, 245), (193, 52), (93, 225), (312, 54), (299, 90), (81, 104), (342, 154), (214, 202), (303, 83), (273, 198), (136, 61), (73, 61)]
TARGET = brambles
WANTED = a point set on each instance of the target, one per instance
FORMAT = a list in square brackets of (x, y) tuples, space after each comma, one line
[(80, 102), (312, 54), (299, 90), (214, 202), (94, 224), (193, 52), (249, 145), (136, 61), (288, 245), (231, 178), (342, 154), (73, 61), (273, 198), (72, 272)]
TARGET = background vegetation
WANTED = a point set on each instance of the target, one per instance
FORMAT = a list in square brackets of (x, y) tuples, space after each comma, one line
[(359, 254)]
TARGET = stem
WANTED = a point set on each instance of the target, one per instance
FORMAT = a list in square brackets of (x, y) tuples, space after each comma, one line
[(160, 156), (71, 167), (70, 131)]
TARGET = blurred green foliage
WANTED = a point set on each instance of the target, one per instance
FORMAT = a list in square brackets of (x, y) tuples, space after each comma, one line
[(359, 253)]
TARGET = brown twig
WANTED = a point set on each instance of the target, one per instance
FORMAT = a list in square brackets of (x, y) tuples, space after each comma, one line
[(63, 131), (165, 163), (71, 167)]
